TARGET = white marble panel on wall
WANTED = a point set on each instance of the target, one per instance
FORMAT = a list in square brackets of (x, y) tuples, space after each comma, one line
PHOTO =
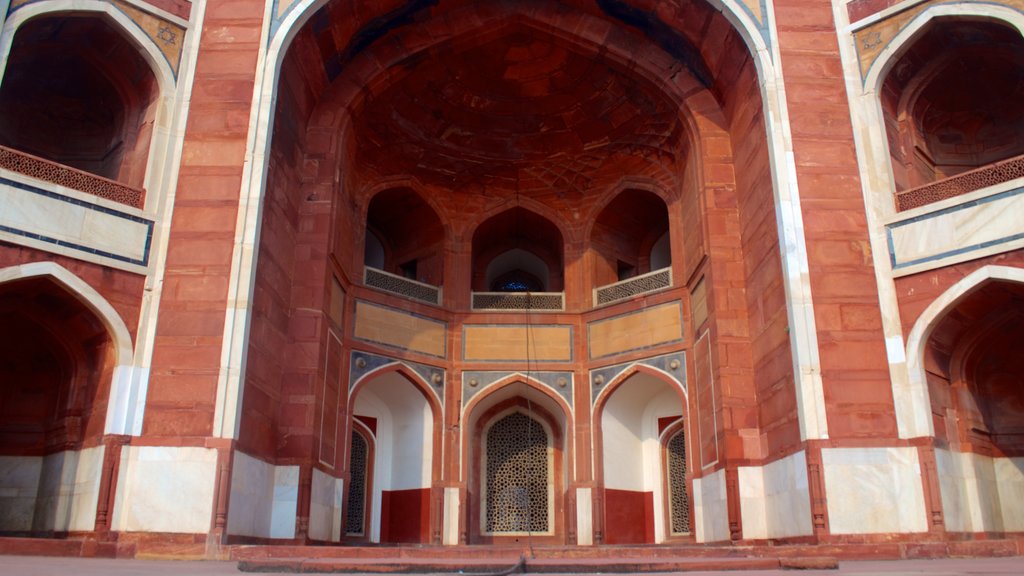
[(72, 223), (970, 495), (286, 502), (325, 507), (69, 487), (166, 489), (19, 485), (1010, 479), (710, 508), (775, 500), (955, 230), (249, 508), (874, 490)]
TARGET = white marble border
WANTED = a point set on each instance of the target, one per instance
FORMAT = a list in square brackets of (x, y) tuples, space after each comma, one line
[(775, 499), (874, 490), (964, 228), (877, 184)]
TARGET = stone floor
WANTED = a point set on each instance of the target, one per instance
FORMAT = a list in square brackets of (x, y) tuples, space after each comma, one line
[(49, 566)]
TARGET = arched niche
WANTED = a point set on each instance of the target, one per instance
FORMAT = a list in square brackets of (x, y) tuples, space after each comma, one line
[(402, 422), (517, 241), (57, 361), (630, 237), (95, 106), (536, 423), (975, 373), (953, 100), (404, 236), (638, 421)]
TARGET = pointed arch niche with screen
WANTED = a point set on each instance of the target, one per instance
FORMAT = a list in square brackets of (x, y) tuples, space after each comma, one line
[(675, 481), (359, 466), (517, 476), (953, 105), (95, 108)]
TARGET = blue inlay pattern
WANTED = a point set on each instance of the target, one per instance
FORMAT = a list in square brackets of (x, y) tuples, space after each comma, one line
[(362, 363), (143, 261), (664, 363), (559, 382)]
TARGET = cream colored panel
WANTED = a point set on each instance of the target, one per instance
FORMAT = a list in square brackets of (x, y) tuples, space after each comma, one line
[(929, 238), (874, 490), (65, 224), (517, 343), (399, 329), (650, 327), (165, 489), (710, 508)]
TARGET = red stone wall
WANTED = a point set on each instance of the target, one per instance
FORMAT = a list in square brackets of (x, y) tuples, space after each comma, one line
[(189, 337), (405, 516), (775, 409), (917, 291), (629, 517), (854, 366)]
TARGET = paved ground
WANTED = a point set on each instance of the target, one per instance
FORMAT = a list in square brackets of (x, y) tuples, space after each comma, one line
[(41, 566)]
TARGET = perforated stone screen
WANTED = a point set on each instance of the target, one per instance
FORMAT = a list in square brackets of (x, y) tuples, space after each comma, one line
[(679, 500), (69, 177), (517, 476), (402, 286), (355, 518), (650, 282)]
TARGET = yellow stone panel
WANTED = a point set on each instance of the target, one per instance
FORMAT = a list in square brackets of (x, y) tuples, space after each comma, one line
[(399, 329), (643, 329), (517, 343)]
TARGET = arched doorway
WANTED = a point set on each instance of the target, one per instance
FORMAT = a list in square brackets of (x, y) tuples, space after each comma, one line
[(517, 467), (643, 457), (57, 361), (975, 377), (398, 422)]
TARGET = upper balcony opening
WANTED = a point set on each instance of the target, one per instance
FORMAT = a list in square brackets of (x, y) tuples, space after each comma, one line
[(93, 108), (517, 252), (630, 240), (404, 239), (953, 103)]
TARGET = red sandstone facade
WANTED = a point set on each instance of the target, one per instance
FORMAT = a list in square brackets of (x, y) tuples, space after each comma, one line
[(454, 272)]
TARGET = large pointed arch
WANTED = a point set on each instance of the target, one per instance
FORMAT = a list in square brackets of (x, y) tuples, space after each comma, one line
[(127, 390), (913, 406)]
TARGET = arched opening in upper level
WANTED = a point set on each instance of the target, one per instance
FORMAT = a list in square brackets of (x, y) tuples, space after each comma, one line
[(953, 102), (93, 109), (517, 251), (630, 237), (404, 236)]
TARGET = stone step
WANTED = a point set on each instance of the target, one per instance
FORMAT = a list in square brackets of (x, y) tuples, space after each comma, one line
[(506, 565)]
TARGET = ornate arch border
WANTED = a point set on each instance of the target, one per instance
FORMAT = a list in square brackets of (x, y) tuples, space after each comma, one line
[(754, 20)]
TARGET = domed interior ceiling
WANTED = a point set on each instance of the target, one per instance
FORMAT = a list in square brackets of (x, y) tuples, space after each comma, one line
[(511, 107), (520, 102)]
